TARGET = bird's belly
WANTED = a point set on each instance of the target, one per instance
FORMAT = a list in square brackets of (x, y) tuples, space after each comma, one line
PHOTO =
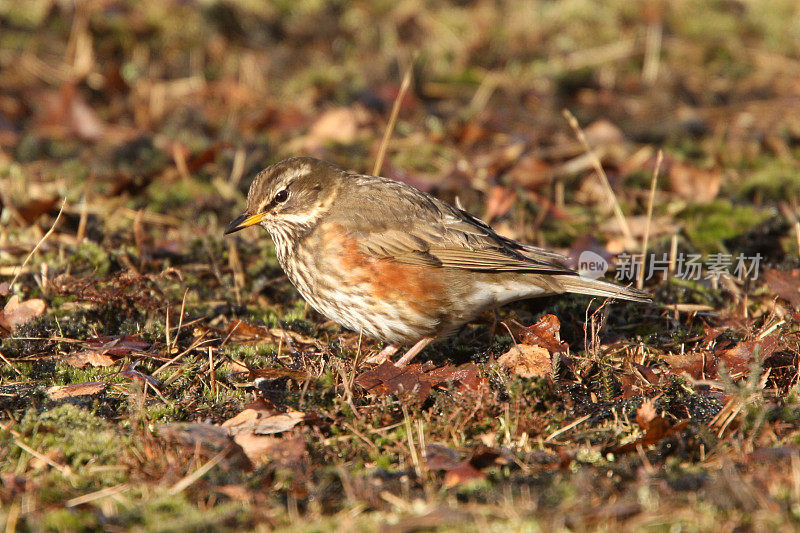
[(364, 304)]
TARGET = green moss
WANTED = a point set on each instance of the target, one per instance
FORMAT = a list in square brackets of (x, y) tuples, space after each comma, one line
[(90, 258), (709, 224), (774, 182), (78, 435)]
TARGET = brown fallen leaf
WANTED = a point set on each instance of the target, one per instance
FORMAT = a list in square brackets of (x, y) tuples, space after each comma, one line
[(527, 361), (741, 357), (532, 355), (696, 184), (785, 284), (340, 125), (439, 457), (499, 202), (208, 439), (544, 333), (16, 313), (602, 132), (414, 379), (263, 449), (93, 358), (241, 331), (118, 345), (66, 112), (33, 209), (462, 473), (654, 426), (103, 351), (531, 172), (130, 372), (88, 388), (261, 422)]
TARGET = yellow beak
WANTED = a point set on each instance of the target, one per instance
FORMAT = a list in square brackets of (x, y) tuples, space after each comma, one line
[(243, 221)]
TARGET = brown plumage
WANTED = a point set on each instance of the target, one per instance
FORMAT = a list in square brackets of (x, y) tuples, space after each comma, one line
[(383, 258)]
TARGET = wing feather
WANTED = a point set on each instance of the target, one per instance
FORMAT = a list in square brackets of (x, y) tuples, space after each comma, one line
[(420, 229)]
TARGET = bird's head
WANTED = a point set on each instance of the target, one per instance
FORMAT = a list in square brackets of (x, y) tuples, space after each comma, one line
[(289, 196)]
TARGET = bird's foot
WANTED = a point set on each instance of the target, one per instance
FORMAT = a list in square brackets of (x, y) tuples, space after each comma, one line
[(382, 356), (386, 354), (410, 354)]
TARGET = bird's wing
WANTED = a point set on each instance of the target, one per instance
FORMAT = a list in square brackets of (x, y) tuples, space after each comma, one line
[(416, 228)]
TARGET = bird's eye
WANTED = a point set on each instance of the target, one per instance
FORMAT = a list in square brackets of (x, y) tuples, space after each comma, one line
[(282, 196)]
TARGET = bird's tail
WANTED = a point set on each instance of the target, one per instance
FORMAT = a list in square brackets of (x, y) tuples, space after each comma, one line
[(596, 287)]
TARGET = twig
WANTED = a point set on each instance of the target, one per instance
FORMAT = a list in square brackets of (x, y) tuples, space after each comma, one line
[(174, 348), (98, 494), (237, 170), (6, 361), (652, 51), (411, 446), (797, 234), (38, 244), (190, 479), (598, 166), (653, 181), (65, 470), (566, 428), (387, 134)]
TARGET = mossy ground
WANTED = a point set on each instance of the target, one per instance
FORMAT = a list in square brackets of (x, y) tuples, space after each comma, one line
[(150, 119)]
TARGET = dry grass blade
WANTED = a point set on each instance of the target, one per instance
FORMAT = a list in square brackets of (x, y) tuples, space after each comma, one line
[(97, 495), (566, 428), (38, 244), (598, 166), (650, 199), (190, 479), (387, 134), (65, 470)]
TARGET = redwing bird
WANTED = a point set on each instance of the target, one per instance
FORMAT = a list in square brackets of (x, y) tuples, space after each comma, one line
[(395, 263)]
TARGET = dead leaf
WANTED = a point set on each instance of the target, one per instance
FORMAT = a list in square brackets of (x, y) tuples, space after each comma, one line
[(654, 426), (88, 388), (134, 374), (241, 331), (696, 184), (499, 201), (531, 172), (439, 457), (33, 209), (16, 313), (462, 473), (414, 379), (209, 439), (66, 112), (544, 333), (104, 351), (646, 413), (262, 422), (93, 358), (118, 345), (785, 284), (740, 358), (527, 360), (470, 470), (261, 449), (340, 125), (602, 132)]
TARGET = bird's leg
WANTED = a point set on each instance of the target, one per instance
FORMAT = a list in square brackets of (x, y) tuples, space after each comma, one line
[(410, 354), (383, 355)]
